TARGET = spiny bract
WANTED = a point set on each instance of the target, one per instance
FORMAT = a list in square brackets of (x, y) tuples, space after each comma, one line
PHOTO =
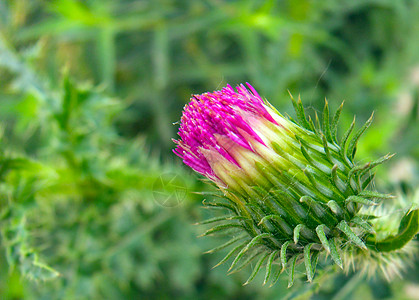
[(292, 188)]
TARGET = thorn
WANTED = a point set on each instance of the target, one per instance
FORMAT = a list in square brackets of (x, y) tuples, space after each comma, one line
[(290, 94)]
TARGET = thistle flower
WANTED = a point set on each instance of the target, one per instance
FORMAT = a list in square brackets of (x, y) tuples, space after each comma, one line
[(291, 187)]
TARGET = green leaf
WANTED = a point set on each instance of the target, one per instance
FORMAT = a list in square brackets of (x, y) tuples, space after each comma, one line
[(326, 148), (367, 181), (322, 237), (334, 253), (307, 262), (232, 251), (335, 208), (269, 217), (312, 126), (326, 124), (360, 200), (220, 228), (284, 253), (297, 232), (271, 259), (219, 219), (256, 268), (363, 224), (373, 194), (344, 227), (228, 243), (255, 241), (352, 145), (246, 262), (299, 110), (292, 271), (335, 121), (409, 227), (219, 204), (345, 137), (377, 162)]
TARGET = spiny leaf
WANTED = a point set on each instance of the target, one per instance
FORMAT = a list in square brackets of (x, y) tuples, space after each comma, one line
[(319, 210), (256, 268), (307, 171), (312, 126), (345, 137), (335, 208), (228, 243), (355, 170), (278, 273), (244, 263), (377, 162), (360, 200), (251, 244), (367, 217), (219, 205), (307, 262), (210, 194), (335, 121), (372, 194), (314, 259), (334, 253), (292, 271), (367, 181), (326, 147), (339, 184), (304, 151), (220, 228), (357, 135), (230, 253), (284, 254), (363, 224), (299, 110), (322, 237), (269, 217), (317, 120), (326, 120), (218, 219), (297, 232), (269, 266), (344, 227)]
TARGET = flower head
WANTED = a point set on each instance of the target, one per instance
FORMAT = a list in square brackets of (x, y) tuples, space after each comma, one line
[(216, 128), (291, 187)]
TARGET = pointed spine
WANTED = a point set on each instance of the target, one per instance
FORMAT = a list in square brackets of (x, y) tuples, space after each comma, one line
[(271, 259), (299, 110), (334, 253), (307, 262), (344, 227), (335, 121), (345, 138), (322, 237), (292, 271), (256, 269), (326, 124), (354, 141), (255, 241)]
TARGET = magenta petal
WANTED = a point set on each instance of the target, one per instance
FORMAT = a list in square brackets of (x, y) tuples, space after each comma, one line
[(218, 113)]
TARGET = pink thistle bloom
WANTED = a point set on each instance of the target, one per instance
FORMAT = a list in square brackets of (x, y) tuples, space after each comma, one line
[(217, 128)]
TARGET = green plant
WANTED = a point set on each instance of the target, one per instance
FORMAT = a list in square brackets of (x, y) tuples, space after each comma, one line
[(293, 190)]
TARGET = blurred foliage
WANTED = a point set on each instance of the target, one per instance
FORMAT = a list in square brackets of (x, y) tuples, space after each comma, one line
[(80, 218)]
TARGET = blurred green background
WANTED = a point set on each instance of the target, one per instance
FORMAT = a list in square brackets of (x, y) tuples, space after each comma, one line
[(89, 91)]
